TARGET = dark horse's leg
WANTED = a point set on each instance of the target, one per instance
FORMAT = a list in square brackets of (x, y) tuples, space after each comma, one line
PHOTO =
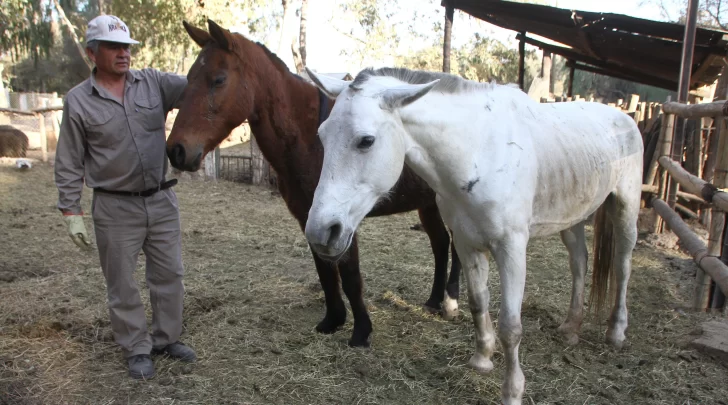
[(352, 283), (453, 283), (335, 309), (440, 242)]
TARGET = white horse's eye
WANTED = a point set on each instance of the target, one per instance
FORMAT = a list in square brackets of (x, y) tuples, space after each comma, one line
[(366, 142)]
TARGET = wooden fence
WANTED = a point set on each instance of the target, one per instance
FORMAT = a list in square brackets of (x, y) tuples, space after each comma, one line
[(40, 115), (708, 192)]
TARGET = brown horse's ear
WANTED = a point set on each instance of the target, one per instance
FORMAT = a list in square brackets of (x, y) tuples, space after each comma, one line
[(220, 35), (200, 36)]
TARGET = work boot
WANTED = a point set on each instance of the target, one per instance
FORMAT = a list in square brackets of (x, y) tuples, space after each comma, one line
[(178, 350), (141, 367)]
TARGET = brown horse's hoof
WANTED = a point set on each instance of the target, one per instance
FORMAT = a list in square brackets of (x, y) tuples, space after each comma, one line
[(329, 325), (430, 308), (359, 343)]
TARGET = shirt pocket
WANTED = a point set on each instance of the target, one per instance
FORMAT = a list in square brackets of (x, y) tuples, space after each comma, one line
[(150, 116), (99, 129)]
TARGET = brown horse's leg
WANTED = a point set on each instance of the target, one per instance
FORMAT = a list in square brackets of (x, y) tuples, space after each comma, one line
[(440, 243), (335, 309), (453, 283), (352, 283)]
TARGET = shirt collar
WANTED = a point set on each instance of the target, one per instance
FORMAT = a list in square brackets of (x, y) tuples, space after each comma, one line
[(131, 77)]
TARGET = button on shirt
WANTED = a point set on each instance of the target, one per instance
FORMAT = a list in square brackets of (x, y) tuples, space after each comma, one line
[(114, 145)]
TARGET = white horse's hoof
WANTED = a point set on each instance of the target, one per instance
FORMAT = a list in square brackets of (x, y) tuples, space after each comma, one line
[(480, 364), (571, 339), (616, 342), (449, 308)]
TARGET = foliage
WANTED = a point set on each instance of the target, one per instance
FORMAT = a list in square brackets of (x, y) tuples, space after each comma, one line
[(711, 13), (610, 89), (25, 28), (157, 24), (483, 59)]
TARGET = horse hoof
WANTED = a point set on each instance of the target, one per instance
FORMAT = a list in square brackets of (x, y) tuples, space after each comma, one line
[(449, 308), (431, 309), (616, 343), (328, 326), (615, 339), (571, 339), (363, 343), (480, 364)]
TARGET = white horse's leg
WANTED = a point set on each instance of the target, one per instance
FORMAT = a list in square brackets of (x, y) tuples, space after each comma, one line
[(575, 243), (625, 211), (475, 267), (510, 256)]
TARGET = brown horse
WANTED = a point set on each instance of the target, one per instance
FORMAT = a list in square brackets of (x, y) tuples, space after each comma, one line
[(234, 79)]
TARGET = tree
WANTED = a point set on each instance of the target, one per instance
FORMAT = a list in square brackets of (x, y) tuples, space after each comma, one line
[(711, 13), (299, 55), (165, 45), (483, 59), (25, 29), (72, 33)]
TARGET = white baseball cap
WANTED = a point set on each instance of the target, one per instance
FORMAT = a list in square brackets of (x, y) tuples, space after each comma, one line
[(108, 28)]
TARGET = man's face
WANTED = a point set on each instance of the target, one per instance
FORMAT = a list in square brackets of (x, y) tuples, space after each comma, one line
[(112, 57)]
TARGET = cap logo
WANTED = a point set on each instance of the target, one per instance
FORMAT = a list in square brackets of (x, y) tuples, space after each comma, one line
[(117, 26)]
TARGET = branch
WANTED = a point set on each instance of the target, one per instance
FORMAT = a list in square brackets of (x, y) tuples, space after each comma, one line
[(71, 30), (350, 36)]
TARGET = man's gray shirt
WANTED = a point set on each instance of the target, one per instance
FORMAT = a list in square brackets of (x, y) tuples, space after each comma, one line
[(112, 145)]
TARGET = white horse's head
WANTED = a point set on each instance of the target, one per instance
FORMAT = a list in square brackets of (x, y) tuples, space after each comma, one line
[(364, 151)]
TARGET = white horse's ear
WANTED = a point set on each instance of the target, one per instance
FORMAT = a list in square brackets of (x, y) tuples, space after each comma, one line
[(330, 86), (401, 96)]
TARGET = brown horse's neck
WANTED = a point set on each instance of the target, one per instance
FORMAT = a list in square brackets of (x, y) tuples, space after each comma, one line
[(286, 114)]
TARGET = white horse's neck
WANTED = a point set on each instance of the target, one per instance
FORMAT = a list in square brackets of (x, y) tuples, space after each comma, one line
[(441, 144)]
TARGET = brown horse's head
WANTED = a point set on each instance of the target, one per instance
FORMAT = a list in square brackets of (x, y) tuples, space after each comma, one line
[(218, 97)]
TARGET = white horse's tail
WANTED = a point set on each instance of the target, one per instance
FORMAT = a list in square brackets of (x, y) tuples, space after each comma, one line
[(603, 257)]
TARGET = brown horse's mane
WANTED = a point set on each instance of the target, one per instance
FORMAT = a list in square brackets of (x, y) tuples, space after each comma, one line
[(277, 62)]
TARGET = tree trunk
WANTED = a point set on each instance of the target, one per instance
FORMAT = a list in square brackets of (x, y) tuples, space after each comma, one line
[(287, 33), (302, 31), (449, 13), (72, 31), (104, 7), (546, 71)]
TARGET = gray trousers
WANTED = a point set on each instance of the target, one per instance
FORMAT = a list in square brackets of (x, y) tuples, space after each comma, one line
[(124, 226)]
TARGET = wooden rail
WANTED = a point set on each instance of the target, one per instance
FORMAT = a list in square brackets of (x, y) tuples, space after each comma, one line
[(710, 264), (716, 109), (695, 184), (39, 114)]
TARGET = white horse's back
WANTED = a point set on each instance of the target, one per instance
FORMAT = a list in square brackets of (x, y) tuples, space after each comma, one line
[(583, 152)]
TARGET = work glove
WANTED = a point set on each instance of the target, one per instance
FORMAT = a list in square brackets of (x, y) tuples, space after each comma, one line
[(77, 231)]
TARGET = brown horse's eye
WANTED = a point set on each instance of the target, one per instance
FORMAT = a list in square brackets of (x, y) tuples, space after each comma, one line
[(365, 142), (219, 81)]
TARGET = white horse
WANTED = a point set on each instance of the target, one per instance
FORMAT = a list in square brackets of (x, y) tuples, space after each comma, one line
[(505, 169)]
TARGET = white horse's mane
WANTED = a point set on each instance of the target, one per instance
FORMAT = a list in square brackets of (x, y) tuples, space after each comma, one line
[(448, 83)]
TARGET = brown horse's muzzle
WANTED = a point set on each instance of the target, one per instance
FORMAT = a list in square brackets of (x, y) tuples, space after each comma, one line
[(186, 159)]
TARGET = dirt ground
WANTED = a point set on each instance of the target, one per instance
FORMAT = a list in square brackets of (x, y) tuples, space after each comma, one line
[(253, 299)]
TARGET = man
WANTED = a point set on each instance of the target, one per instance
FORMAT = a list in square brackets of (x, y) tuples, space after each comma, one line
[(113, 136)]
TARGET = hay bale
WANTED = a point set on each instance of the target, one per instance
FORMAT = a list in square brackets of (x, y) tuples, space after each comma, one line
[(13, 142)]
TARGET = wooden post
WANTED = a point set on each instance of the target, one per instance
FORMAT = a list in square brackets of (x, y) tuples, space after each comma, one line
[(56, 117), (570, 92), (634, 100), (710, 264), (449, 13), (211, 163), (664, 145), (43, 136), (522, 62), (720, 180), (683, 90)]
